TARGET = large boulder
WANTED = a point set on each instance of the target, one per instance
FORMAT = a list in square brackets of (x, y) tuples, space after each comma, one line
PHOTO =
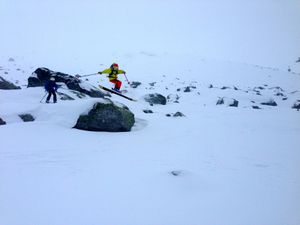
[(155, 98), (6, 85), (41, 75), (106, 116)]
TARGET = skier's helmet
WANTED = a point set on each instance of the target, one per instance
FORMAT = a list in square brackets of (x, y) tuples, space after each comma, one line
[(115, 66), (52, 78)]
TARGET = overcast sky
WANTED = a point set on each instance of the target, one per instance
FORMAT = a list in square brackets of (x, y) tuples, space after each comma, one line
[(264, 32)]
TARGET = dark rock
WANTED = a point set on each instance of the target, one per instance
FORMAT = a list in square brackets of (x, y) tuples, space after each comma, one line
[(135, 84), (234, 103), (269, 103), (41, 75), (152, 84), (11, 59), (147, 111), (178, 89), (2, 122), (279, 94), (256, 107), (26, 117), (6, 85), (155, 99), (229, 102), (106, 117), (296, 105), (168, 115), (176, 173), (187, 89), (210, 86), (224, 88), (178, 114), (284, 99), (220, 101)]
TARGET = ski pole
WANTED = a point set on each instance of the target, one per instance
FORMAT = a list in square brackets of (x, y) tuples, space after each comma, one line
[(43, 97), (126, 78), (86, 75)]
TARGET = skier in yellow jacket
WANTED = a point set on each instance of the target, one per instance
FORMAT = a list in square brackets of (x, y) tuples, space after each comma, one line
[(113, 73)]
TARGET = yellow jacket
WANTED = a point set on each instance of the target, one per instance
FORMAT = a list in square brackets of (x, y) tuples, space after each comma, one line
[(112, 74)]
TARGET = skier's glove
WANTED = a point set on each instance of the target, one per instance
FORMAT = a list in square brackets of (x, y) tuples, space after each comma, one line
[(100, 73)]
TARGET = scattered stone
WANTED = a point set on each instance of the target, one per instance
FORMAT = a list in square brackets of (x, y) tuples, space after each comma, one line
[(178, 114), (256, 107), (233, 103), (187, 89), (11, 59), (155, 99), (2, 122), (271, 102), (152, 84), (176, 173), (27, 117), (135, 84), (284, 99), (220, 101), (173, 98), (168, 115), (147, 111), (296, 105), (229, 102), (210, 86), (6, 85), (106, 117), (224, 88)]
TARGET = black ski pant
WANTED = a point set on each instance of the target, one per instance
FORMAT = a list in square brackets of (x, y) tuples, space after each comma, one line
[(51, 92)]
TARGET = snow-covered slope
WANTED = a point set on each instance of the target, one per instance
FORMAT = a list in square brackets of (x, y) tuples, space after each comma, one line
[(216, 165)]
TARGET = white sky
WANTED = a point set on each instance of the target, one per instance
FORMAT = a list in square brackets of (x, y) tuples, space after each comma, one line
[(260, 31)]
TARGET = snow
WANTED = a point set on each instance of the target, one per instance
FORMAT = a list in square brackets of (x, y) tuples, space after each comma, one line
[(217, 165)]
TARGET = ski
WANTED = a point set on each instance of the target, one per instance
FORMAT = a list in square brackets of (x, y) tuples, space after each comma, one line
[(117, 93)]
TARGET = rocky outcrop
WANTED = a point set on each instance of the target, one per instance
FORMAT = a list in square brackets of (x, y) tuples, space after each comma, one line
[(106, 116), (41, 75), (6, 85), (155, 99)]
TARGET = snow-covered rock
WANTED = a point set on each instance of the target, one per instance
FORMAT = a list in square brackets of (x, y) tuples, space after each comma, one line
[(41, 75), (27, 117), (155, 99), (107, 117)]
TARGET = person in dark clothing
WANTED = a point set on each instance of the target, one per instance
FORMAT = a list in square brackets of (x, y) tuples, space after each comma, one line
[(51, 88)]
